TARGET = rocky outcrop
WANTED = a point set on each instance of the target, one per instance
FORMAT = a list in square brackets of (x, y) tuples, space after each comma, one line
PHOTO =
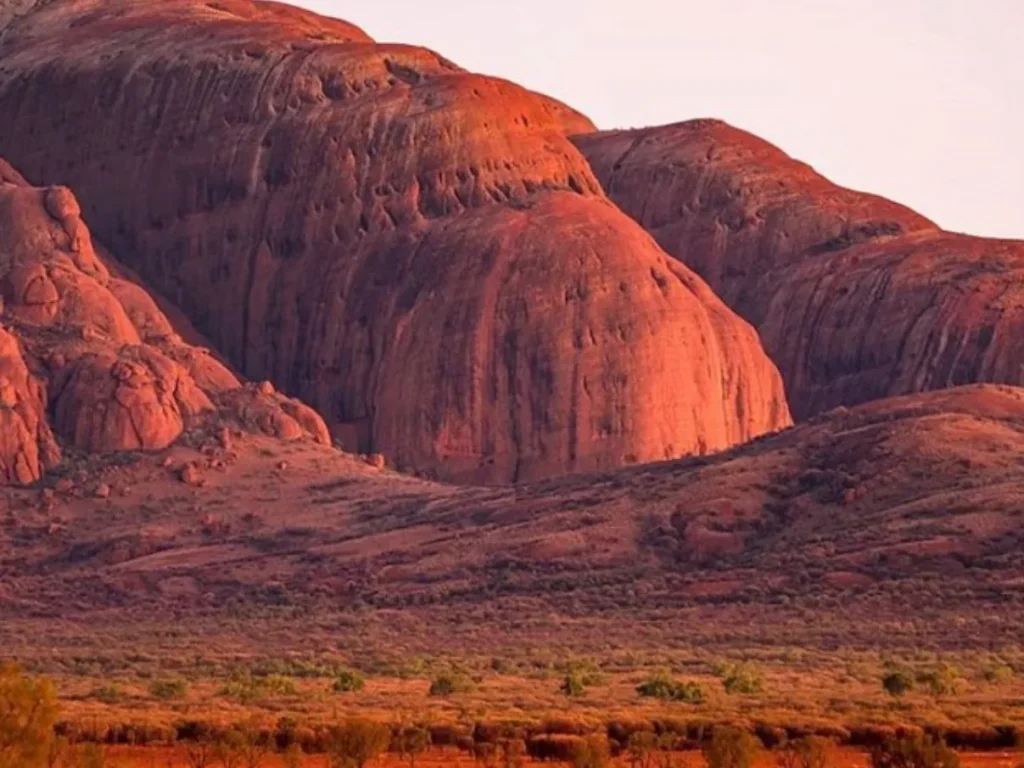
[(416, 251), (92, 356), (855, 297), (27, 446)]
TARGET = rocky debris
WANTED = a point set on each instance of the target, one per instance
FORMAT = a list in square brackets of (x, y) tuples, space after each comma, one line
[(376, 460), (415, 250), (855, 297), (190, 475)]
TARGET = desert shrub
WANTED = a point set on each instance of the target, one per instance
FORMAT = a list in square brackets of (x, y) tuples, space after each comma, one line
[(168, 689), (356, 742), (998, 673), (806, 752), (572, 686), (897, 683), (28, 711), (730, 747), (348, 681), (590, 752), (913, 751), (450, 684), (411, 742), (662, 686), (553, 746), (742, 679), (245, 689), (940, 682)]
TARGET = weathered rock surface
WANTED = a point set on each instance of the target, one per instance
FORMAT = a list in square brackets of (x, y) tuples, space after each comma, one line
[(855, 297), (416, 251), (92, 355)]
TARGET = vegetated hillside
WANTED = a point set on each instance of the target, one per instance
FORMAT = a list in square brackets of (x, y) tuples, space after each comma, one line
[(896, 524), (856, 298), (88, 361), (416, 251)]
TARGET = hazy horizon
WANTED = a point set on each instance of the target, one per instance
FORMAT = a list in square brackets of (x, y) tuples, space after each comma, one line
[(916, 100)]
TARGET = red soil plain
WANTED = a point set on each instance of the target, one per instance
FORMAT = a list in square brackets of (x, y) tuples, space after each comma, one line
[(321, 354)]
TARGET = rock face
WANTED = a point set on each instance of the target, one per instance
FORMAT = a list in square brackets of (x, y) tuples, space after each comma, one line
[(856, 297), (92, 356), (417, 251)]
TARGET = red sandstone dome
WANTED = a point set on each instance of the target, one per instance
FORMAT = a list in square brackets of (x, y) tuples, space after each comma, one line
[(416, 251), (856, 298)]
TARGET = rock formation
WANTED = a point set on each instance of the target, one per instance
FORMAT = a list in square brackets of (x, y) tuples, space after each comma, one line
[(89, 355), (855, 297), (416, 251)]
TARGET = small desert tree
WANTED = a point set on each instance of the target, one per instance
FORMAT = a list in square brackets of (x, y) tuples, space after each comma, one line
[(356, 742), (411, 742), (730, 747), (28, 710)]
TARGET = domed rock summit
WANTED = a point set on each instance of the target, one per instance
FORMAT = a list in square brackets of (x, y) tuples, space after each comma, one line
[(856, 298), (417, 251)]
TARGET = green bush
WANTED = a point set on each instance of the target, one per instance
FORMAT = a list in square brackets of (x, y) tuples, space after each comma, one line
[(730, 748), (662, 686), (742, 679), (913, 751), (450, 684), (897, 683), (349, 681)]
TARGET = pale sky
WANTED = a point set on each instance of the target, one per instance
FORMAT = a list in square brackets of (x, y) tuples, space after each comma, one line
[(919, 100)]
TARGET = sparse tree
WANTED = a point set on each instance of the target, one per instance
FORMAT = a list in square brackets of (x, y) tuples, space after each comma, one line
[(730, 747), (199, 754), (356, 742), (412, 742), (28, 710)]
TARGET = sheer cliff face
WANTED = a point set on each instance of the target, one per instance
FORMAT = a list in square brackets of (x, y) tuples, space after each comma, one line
[(417, 251), (855, 297)]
